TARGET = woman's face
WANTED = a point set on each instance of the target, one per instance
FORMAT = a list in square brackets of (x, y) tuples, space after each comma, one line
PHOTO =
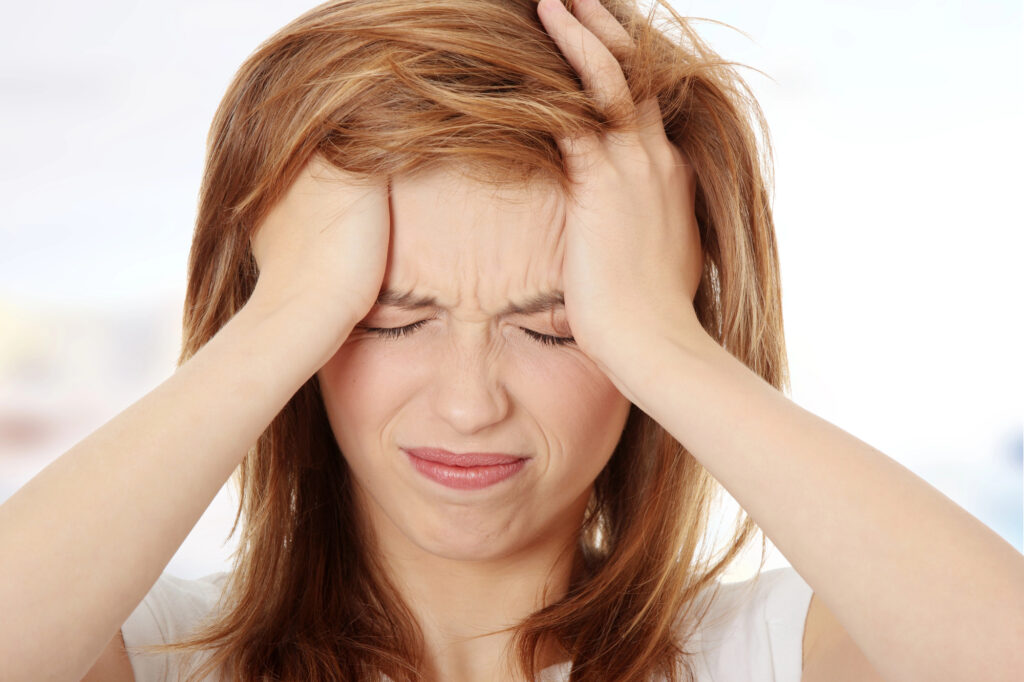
[(470, 378)]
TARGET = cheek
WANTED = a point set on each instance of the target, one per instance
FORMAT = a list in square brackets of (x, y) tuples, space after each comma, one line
[(363, 385), (572, 401)]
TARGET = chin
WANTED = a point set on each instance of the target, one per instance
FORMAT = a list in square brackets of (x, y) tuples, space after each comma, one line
[(464, 552), (466, 539)]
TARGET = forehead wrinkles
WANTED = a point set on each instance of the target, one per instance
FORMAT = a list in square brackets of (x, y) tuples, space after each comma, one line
[(473, 246)]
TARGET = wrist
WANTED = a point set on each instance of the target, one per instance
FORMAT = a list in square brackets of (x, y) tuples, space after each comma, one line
[(635, 358), (312, 321), (615, 343)]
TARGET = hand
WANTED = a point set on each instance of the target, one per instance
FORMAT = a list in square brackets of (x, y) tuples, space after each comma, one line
[(633, 257), (325, 243)]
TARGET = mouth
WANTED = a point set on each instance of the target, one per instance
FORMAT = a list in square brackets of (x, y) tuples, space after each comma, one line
[(464, 471), (464, 459)]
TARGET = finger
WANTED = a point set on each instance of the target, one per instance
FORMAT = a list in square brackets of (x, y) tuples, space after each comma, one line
[(604, 25), (649, 120), (580, 152), (597, 67)]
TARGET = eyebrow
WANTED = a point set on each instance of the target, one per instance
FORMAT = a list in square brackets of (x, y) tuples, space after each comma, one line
[(539, 303)]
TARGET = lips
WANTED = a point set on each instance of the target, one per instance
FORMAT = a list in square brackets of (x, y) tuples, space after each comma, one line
[(463, 459), (467, 470)]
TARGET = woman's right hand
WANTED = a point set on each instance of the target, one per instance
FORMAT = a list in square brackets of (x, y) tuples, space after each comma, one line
[(102, 522), (325, 244)]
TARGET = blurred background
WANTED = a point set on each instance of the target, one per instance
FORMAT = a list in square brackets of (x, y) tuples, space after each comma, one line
[(897, 138)]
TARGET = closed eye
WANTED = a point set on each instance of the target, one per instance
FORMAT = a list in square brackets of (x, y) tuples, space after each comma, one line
[(548, 339), (396, 332)]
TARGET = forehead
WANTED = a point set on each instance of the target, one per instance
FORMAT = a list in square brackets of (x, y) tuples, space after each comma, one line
[(470, 244)]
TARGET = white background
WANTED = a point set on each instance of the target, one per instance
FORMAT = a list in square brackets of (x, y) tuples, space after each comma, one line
[(898, 147)]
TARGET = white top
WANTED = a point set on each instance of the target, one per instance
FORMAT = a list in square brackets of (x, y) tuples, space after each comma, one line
[(752, 632)]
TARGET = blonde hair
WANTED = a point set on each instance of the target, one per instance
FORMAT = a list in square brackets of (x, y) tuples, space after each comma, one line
[(384, 87)]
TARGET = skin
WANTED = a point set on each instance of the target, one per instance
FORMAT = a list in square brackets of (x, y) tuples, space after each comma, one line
[(472, 380)]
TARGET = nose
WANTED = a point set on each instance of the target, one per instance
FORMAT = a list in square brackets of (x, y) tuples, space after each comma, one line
[(469, 392)]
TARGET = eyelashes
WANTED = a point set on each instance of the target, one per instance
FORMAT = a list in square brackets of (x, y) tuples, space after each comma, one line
[(547, 339), (397, 332)]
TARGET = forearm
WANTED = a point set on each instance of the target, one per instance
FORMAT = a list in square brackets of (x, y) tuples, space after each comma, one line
[(926, 590), (84, 540)]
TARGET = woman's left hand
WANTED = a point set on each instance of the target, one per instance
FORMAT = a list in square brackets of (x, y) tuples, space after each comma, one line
[(632, 260)]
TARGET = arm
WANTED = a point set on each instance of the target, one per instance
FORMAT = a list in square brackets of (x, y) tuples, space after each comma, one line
[(89, 535), (95, 528), (113, 664), (925, 590), (829, 653)]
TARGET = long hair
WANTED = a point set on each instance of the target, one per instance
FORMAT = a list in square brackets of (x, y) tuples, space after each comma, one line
[(384, 87)]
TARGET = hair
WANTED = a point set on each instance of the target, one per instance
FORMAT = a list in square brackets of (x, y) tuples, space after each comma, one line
[(385, 87)]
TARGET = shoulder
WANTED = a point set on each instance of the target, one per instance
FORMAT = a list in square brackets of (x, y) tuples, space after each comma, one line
[(753, 630), (169, 612)]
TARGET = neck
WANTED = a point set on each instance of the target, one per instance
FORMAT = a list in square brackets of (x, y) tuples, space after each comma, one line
[(467, 606)]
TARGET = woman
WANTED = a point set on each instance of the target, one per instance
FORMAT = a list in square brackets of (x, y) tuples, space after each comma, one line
[(538, 243)]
